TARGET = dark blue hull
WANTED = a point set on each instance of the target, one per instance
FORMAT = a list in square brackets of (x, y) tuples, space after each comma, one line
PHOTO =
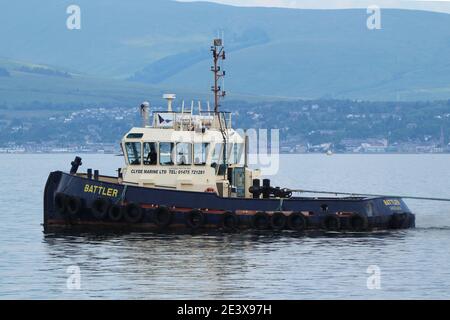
[(74, 201)]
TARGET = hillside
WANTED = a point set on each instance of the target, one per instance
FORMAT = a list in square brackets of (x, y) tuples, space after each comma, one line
[(26, 86), (271, 52)]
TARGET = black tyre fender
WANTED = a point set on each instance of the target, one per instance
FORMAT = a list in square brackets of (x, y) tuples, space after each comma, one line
[(115, 212), (278, 221), (261, 220), (397, 221), (411, 220), (195, 219), (331, 222), (407, 221), (100, 208), (162, 216), (74, 205), (359, 222), (60, 203), (229, 221), (297, 221), (133, 213)]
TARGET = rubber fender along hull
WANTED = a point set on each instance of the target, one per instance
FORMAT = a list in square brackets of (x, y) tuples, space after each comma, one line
[(176, 209)]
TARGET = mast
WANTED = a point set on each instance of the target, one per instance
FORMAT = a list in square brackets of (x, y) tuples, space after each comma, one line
[(218, 52)]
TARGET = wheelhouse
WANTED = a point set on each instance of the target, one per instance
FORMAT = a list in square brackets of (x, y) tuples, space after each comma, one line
[(187, 151)]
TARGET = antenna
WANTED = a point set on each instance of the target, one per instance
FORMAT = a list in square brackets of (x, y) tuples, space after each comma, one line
[(169, 97), (145, 106), (218, 52)]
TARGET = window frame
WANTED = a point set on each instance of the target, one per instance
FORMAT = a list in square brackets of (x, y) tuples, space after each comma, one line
[(190, 154), (156, 150), (220, 155), (171, 154), (128, 155), (204, 154), (238, 151)]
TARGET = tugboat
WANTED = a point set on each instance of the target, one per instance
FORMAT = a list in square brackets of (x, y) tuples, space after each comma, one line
[(190, 171)]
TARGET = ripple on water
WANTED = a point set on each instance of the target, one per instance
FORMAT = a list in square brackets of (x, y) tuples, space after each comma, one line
[(413, 263)]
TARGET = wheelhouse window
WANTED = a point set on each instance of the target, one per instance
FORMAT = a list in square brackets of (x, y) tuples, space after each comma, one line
[(235, 153), (200, 153), (184, 153), (133, 150), (217, 155), (150, 153), (166, 153)]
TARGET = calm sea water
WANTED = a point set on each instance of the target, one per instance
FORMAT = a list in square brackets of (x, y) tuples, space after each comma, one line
[(413, 263)]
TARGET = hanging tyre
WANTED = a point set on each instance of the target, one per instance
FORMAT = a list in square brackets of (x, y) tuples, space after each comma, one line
[(60, 203), (100, 208), (115, 213), (261, 220), (162, 216), (359, 222), (133, 213), (411, 220), (195, 219), (74, 205), (229, 221), (278, 221), (397, 221), (297, 221), (331, 222)]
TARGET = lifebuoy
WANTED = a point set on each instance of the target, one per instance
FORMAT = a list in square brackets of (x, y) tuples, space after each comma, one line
[(100, 208), (115, 212), (210, 190), (195, 219), (162, 216), (133, 213), (278, 221), (358, 222), (261, 220), (331, 222), (60, 203), (229, 221), (74, 205), (297, 221)]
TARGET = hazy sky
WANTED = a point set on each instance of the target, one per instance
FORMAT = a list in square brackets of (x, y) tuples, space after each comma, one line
[(440, 5)]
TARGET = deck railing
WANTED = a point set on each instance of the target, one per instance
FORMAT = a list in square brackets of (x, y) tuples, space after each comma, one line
[(189, 121)]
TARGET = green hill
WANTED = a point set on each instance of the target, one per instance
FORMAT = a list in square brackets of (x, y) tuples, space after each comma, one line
[(26, 86), (271, 52), (30, 86)]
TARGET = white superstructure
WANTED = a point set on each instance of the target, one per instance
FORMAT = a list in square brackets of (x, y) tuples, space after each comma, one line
[(187, 151)]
